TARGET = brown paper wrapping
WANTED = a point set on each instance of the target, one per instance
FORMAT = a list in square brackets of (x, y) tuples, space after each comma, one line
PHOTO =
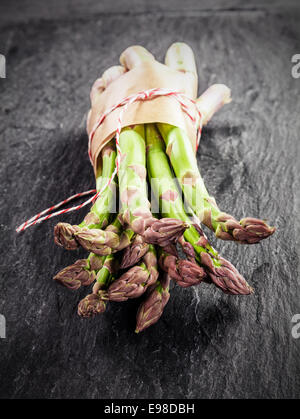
[(148, 75)]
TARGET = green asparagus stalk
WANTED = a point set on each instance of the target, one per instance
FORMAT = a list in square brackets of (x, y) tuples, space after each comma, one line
[(106, 274), (98, 216), (94, 303), (221, 272), (135, 210), (184, 163), (152, 308), (91, 305)]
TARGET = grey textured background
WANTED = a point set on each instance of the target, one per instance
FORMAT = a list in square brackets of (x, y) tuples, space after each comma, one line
[(206, 345)]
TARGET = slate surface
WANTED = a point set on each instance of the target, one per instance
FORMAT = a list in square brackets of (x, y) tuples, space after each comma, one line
[(207, 345)]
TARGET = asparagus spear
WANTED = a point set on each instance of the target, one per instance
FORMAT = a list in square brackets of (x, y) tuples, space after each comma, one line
[(133, 192), (66, 235), (180, 57), (128, 286), (179, 149), (184, 272), (134, 56), (105, 242), (85, 271), (213, 99), (150, 260), (221, 272), (82, 272), (106, 274), (91, 305), (184, 163), (152, 308), (96, 302)]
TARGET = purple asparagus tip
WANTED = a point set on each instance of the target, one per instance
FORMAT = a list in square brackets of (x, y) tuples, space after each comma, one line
[(165, 231), (226, 277), (76, 275), (152, 308), (91, 305), (130, 285), (168, 264), (64, 236)]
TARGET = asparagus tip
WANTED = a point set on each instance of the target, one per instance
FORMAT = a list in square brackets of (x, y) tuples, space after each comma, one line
[(165, 231), (226, 276), (246, 231), (76, 275), (97, 241), (134, 252), (91, 305), (132, 284)]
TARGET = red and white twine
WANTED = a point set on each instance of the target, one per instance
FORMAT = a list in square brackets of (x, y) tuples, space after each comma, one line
[(141, 96)]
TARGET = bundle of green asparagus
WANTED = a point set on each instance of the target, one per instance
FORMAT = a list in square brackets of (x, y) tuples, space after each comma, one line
[(133, 248)]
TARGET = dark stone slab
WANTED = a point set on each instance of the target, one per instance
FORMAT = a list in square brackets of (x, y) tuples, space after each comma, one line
[(206, 344)]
